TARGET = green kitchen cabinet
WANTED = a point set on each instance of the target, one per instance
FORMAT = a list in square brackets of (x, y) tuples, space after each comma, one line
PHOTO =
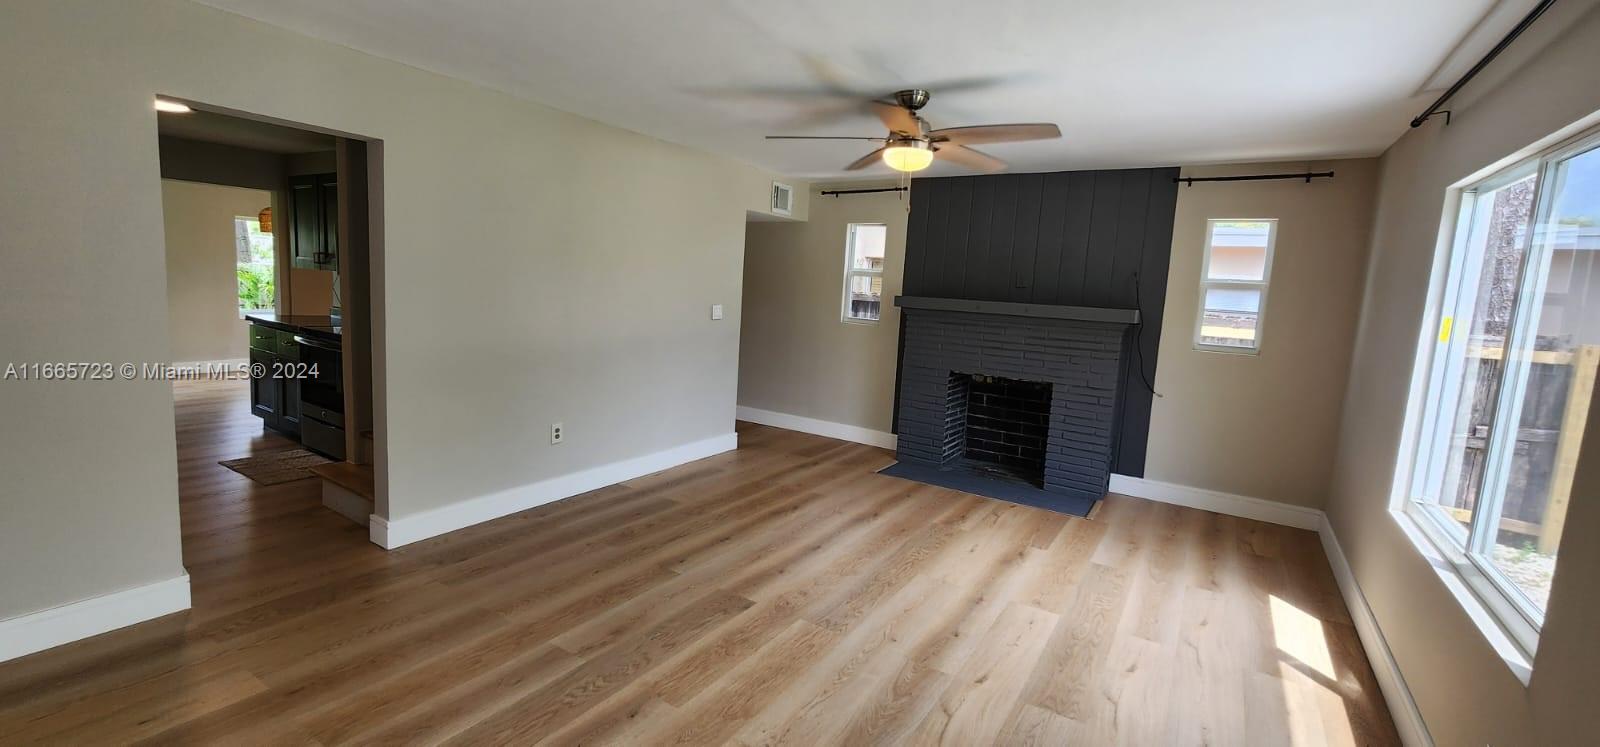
[(314, 221)]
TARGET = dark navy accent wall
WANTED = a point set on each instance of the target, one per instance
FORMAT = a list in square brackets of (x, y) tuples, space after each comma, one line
[(1071, 238)]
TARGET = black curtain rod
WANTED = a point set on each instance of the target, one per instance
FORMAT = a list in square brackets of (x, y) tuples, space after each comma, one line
[(1533, 15), (1308, 176), (837, 192)]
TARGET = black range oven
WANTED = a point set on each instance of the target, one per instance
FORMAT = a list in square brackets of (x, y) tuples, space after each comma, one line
[(322, 396)]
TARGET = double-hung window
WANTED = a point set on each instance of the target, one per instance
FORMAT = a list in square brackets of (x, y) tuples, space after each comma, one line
[(863, 272), (1507, 374), (1233, 284)]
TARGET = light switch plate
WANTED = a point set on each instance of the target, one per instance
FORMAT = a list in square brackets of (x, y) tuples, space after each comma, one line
[(716, 311)]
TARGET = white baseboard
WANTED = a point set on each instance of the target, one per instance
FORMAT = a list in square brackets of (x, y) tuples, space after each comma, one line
[(20, 636), (1242, 506), (1407, 719), (816, 427), (1402, 708), (378, 532), (396, 532)]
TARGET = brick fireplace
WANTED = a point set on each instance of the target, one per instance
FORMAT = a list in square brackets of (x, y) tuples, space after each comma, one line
[(1011, 393)]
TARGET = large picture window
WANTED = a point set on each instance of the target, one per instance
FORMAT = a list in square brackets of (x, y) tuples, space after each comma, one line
[(1510, 372)]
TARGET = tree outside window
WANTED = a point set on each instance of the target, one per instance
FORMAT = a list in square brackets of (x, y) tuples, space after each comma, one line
[(257, 289)]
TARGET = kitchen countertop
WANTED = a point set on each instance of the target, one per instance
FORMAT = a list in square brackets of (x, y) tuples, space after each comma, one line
[(310, 325)]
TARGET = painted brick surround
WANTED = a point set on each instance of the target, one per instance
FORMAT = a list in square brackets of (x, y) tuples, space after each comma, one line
[(1079, 359)]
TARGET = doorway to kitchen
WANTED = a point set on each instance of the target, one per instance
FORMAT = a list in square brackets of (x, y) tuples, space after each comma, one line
[(271, 230)]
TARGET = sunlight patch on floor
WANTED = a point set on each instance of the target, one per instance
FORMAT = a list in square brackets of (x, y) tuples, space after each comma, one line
[(1300, 635)]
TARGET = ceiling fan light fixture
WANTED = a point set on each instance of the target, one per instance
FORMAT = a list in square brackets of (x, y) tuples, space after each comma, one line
[(908, 155)]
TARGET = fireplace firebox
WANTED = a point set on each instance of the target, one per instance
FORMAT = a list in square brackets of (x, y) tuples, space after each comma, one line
[(1005, 427)]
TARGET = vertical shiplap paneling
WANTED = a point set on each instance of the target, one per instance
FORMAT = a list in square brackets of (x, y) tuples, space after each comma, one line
[(980, 240), (916, 235), (1133, 208), (1079, 208), (1030, 188), (1103, 227), (1052, 226), (1150, 297), (1002, 239), (953, 270), (1074, 238)]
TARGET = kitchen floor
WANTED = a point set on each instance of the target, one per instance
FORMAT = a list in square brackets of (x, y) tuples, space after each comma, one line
[(783, 592)]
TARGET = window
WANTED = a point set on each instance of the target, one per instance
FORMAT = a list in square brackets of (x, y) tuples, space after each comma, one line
[(1509, 366), (255, 272), (1233, 284), (863, 271)]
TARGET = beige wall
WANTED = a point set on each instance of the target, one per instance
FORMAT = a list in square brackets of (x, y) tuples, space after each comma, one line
[(202, 284), (1264, 425), (795, 355), (310, 291), (538, 267), (1466, 693)]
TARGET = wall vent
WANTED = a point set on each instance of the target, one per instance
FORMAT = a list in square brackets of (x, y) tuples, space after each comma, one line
[(782, 198)]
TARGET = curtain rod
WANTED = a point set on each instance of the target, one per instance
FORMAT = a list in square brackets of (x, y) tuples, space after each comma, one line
[(1308, 176), (1533, 15), (837, 192)]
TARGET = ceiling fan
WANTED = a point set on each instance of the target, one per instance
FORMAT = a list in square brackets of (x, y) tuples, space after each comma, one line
[(911, 145)]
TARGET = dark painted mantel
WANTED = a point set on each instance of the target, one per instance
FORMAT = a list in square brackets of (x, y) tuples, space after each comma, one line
[(1031, 310)]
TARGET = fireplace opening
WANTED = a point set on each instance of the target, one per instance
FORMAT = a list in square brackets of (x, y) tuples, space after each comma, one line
[(1005, 425)]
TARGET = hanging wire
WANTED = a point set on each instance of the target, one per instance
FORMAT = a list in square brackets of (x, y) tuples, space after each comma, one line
[(1138, 349)]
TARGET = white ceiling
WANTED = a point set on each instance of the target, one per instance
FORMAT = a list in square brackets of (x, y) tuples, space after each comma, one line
[(1158, 82)]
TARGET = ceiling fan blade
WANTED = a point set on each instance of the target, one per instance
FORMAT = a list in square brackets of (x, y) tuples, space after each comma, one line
[(866, 160), (896, 118), (824, 137), (999, 133), (972, 84), (972, 159)]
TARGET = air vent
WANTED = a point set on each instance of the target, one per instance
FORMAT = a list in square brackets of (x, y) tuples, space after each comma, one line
[(782, 198)]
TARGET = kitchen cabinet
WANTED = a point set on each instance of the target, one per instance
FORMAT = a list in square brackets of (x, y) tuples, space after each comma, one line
[(308, 404), (314, 222), (266, 393), (276, 400)]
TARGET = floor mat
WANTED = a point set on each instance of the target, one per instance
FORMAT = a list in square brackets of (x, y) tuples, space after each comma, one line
[(278, 467)]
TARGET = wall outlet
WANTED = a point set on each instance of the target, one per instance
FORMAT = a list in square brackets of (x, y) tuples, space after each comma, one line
[(555, 433), (716, 311)]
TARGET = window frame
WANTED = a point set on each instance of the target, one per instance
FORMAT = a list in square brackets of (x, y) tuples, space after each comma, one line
[(850, 271), (1207, 283), (1469, 552)]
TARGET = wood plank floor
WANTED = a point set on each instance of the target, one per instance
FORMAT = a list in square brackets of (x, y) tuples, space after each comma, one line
[(781, 593)]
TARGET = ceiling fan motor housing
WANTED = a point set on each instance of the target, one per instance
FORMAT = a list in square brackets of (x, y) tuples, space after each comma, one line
[(912, 98)]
